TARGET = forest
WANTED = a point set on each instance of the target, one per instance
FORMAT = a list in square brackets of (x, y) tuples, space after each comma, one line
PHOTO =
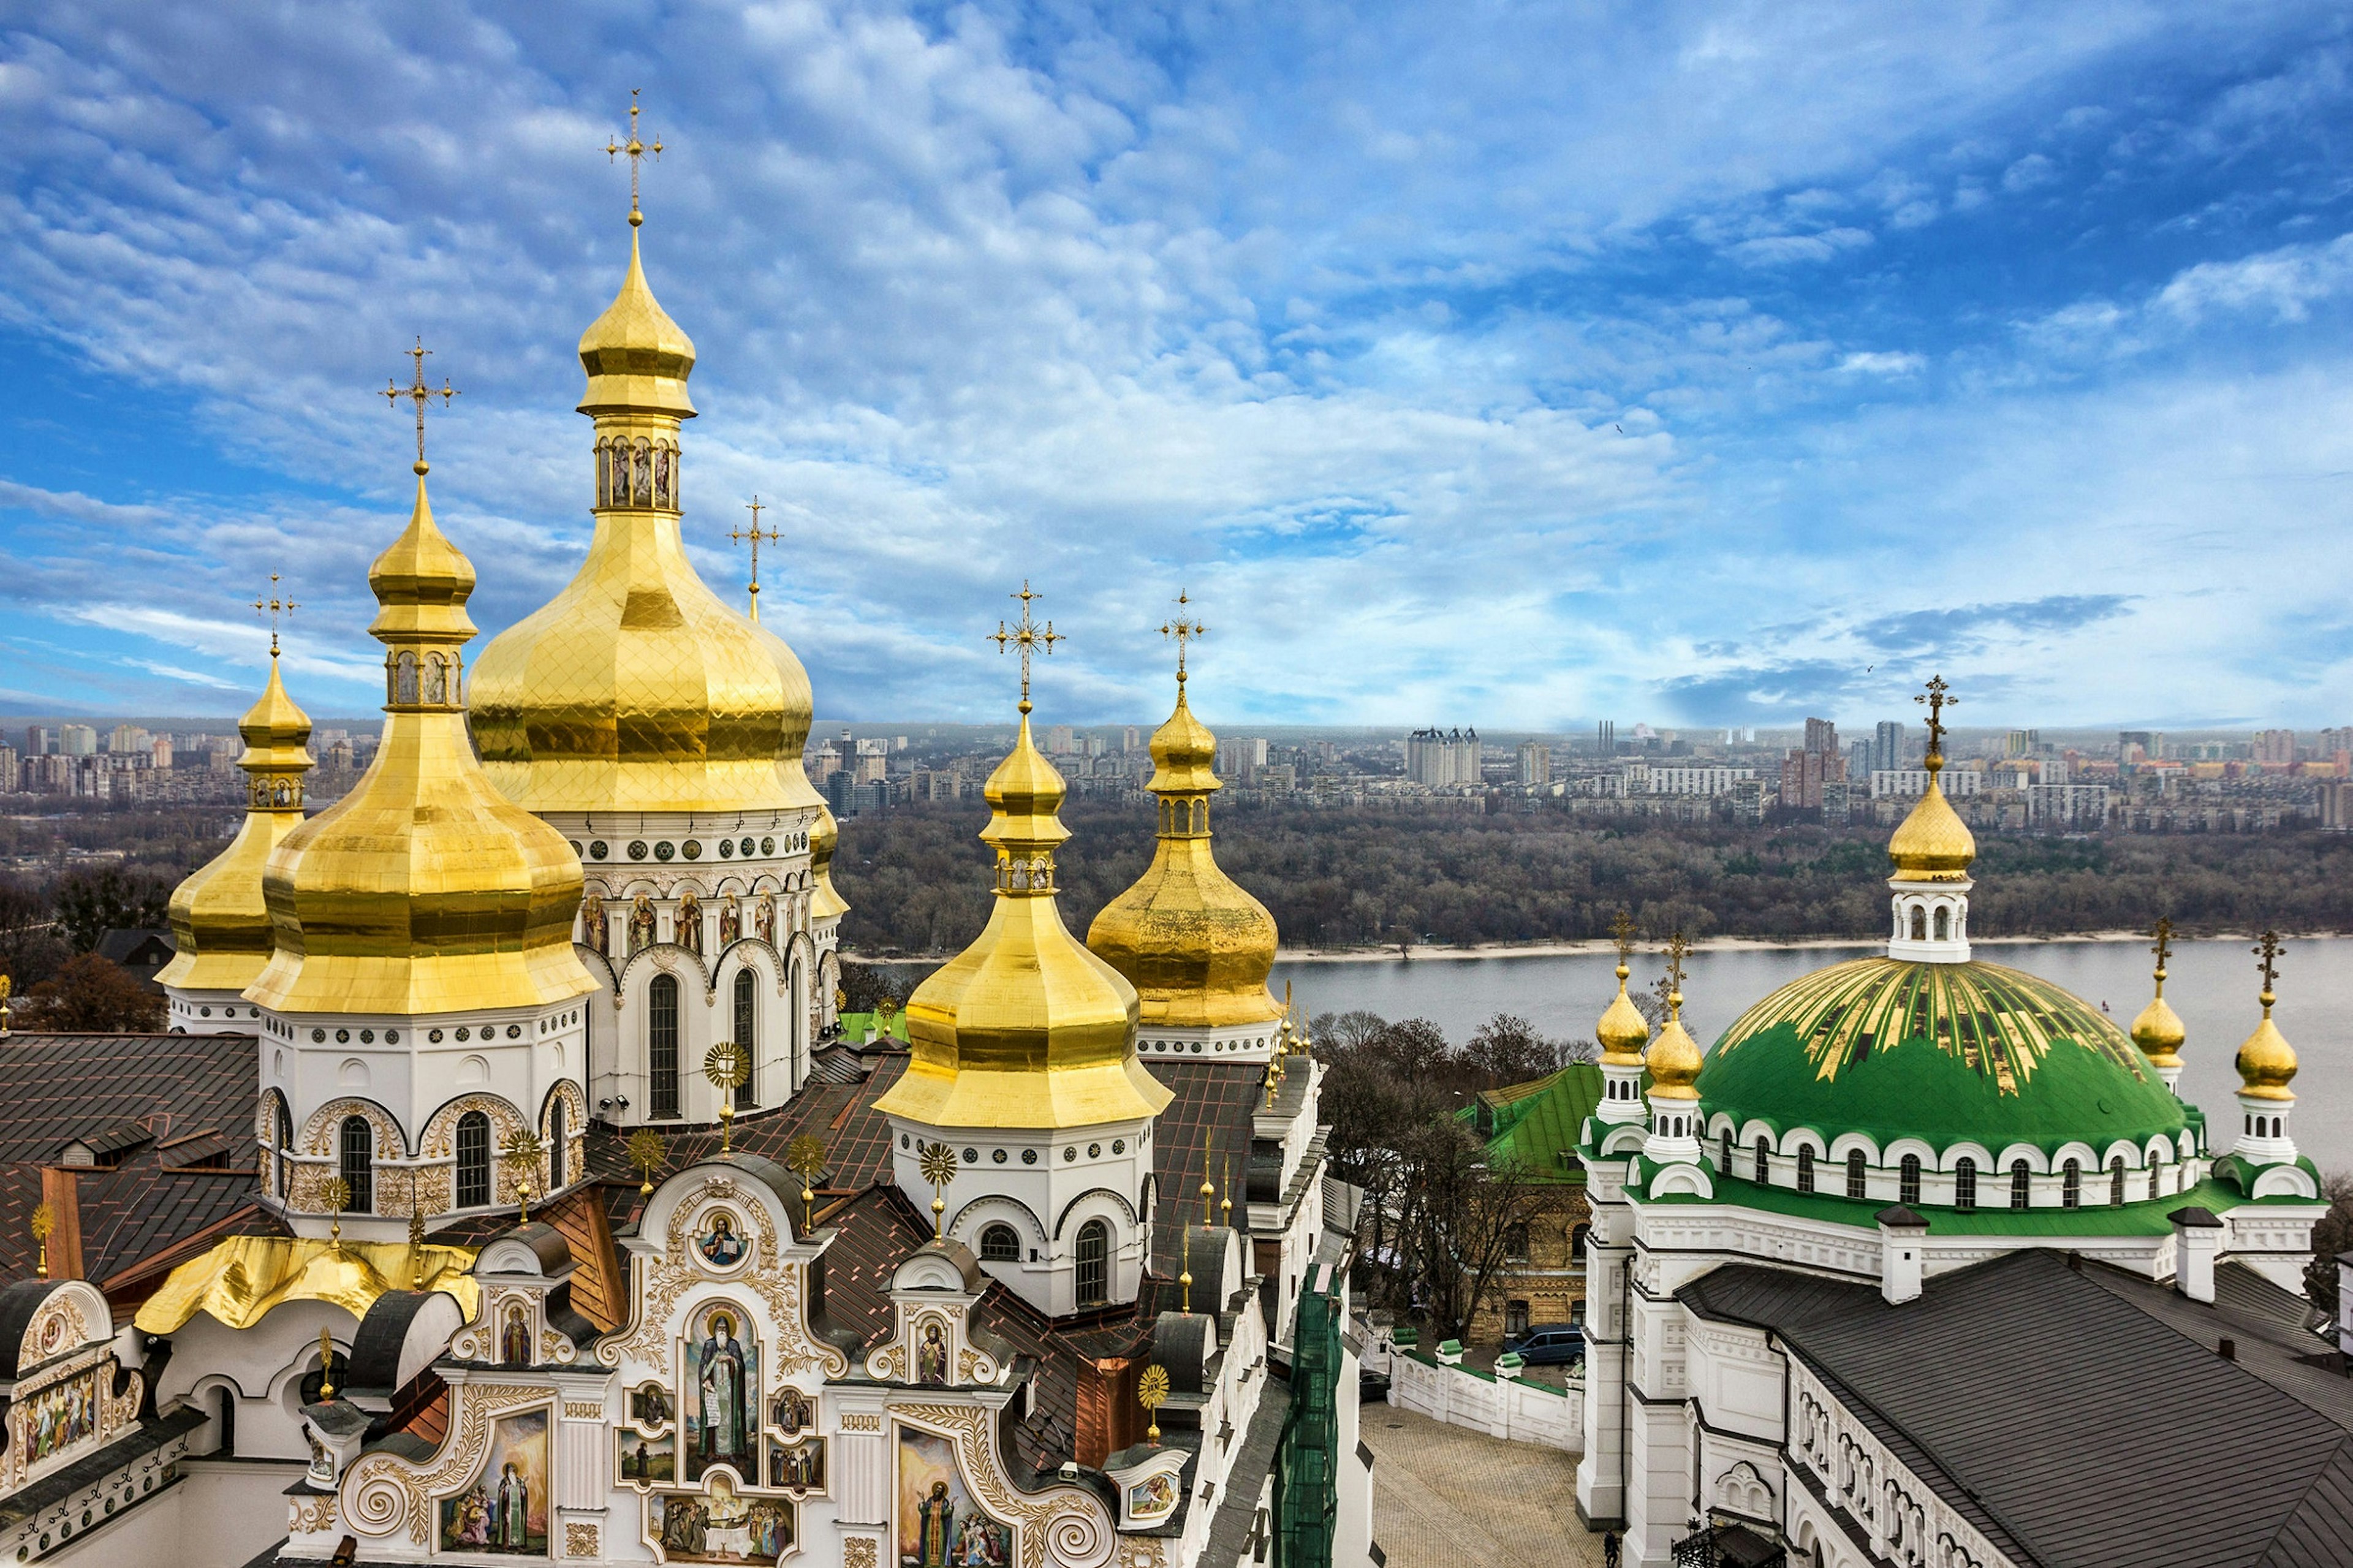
[(917, 881)]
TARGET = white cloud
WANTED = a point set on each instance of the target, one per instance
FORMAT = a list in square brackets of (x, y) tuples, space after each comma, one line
[(1868, 363), (2285, 282)]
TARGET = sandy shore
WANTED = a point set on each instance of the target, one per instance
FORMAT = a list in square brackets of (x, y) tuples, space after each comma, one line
[(1715, 945)]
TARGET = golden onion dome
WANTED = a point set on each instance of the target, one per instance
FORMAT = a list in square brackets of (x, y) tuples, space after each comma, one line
[(637, 358), (1196, 947), (1933, 844), (1024, 1027), (220, 922), (1623, 1031), (425, 889), (2158, 1031), (825, 901), (2266, 1063), (1673, 1059)]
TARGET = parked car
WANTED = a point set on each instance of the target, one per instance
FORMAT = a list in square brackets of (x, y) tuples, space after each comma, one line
[(1372, 1387), (1548, 1344)]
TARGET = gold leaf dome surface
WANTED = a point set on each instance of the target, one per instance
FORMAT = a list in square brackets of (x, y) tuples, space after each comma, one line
[(2158, 1033), (1623, 1031), (1673, 1059), (637, 358), (1933, 844), (1195, 945), (425, 889), (825, 901), (1024, 1028), (220, 922), (2266, 1063)]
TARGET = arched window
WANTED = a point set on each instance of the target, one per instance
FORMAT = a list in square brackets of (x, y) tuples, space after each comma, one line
[(1965, 1184), (2116, 1182), (1855, 1174), (662, 1044), (473, 1159), (1724, 1164), (404, 677), (1201, 815), (1919, 924), (1805, 1167), (356, 1145), (747, 1018), (2071, 1187), (285, 1148), (1094, 1263), (555, 1135), (1000, 1243), (1944, 923), (1577, 1245), (2021, 1183), (1908, 1191), (1763, 1160)]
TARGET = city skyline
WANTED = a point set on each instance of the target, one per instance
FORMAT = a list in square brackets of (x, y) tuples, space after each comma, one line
[(1729, 369)]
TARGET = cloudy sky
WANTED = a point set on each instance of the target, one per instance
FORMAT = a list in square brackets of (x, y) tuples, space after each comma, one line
[(1505, 364)]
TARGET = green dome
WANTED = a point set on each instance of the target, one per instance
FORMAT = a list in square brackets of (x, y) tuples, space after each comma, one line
[(1946, 1052)]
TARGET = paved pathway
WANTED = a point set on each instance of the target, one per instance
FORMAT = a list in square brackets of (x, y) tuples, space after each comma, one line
[(1447, 1498)]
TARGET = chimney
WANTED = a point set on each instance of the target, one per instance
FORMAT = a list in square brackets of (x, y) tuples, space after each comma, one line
[(1903, 1254), (2197, 1238), (63, 1194)]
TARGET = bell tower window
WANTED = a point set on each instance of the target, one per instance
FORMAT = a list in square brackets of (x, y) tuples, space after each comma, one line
[(474, 1161), (356, 1146), (1094, 1263), (662, 1044), (747, 1018), (1000, 1243)]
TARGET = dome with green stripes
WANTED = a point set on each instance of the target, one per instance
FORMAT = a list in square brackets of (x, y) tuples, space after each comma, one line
[(1944, 1052)]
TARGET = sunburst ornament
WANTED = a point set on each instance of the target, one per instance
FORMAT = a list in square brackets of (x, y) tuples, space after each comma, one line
[(939, 1167), (522, 1152), (1152, 1392), (647, 1151), (45, 1222), (335, 1195), (805, 1157), (728, 1067)]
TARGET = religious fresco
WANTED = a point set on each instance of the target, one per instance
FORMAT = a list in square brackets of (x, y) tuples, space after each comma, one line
[(645, 1461), (793, 1411), (723, 1371), (515, 1338), (1153, 1497), (724, 1528), (505, 1511), (940, 1526), (649, 1407), (798, 1465), (932, 1355), (721, 1245), (60, 1415)]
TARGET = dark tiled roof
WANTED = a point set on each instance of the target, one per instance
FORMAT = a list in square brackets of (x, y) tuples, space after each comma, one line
[(54, 1088), (2073, 1417)]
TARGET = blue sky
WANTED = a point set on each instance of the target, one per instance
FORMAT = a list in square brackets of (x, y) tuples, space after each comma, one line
[(1503, 364)]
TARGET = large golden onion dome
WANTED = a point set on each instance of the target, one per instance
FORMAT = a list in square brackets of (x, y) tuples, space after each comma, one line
[(1196, 946), (1933, 844), (425, 889), (636, 689), (220, 922), (1673, 1059), (1024, 1028), (2159, 1031), (2266, 1063), (1623, 1030)]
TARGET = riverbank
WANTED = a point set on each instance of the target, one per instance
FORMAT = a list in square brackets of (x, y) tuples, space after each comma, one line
[(1721, 944)]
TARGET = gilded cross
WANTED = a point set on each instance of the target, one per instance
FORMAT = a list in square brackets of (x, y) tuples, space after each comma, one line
[(1621, 931), (273, 606), (2163, 947), (420, 393), (2268, 949), (637, 151), (1028, 636), (1181, 629), (756, 533), (1677, 948), (1937, 701)]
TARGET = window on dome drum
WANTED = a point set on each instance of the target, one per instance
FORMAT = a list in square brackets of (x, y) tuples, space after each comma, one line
[(1965, 1184), (2071, 1188), (747, 1019), (2116, 1182), (1856, 1174), (555, 1145), (1804, 1168), (1944, 923), (473, 1159), (1764, 1161), (1093, 1260), (285, 1147), (1000, 1243), (2021, 1183), (1515, 1243), (1919, 924), (1909, 1191), (1724, 1164), (356, 1145), (661, 1046)]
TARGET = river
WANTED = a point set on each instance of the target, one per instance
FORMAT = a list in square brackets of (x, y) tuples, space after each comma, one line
[(2212, 984)]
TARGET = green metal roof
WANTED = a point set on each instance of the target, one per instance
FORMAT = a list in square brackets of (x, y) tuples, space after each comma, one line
[(1946, 1052), (1533, 1123), (2144, 1218)]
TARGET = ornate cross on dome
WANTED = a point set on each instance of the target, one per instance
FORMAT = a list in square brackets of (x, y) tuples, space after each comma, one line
[(756, 533), (1677, 948), (273, 606), (637, 151), (420, 393), (1937, 700), (1181, 629), (1027, 636), (2267, 947), (2163, 946), (1621, 931)]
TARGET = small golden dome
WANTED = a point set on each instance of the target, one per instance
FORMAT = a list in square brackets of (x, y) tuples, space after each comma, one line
[(1673, 1058), (1024, 1027), (2266, 1063), (825, 901), (1623, 1031), (1194, 943), (637, 359), (1932, 845), (424, 889), (2158, 1031), (220, 922)]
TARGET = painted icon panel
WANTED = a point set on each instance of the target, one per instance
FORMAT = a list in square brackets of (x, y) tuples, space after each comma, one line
[(505, 1511), (940, 1525), (723, 1370), (646, 1460)]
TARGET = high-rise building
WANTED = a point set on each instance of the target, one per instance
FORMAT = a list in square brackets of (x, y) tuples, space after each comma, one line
[(1059, 741), (1605, 737), (36, 740), (2020, 742), (1437, 759), (9, 770), (1821, 736), (77, 741), (1535, 764), (128, 737), (1803, 773), (1129, 738), (2275, 746), (1887, 745)]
